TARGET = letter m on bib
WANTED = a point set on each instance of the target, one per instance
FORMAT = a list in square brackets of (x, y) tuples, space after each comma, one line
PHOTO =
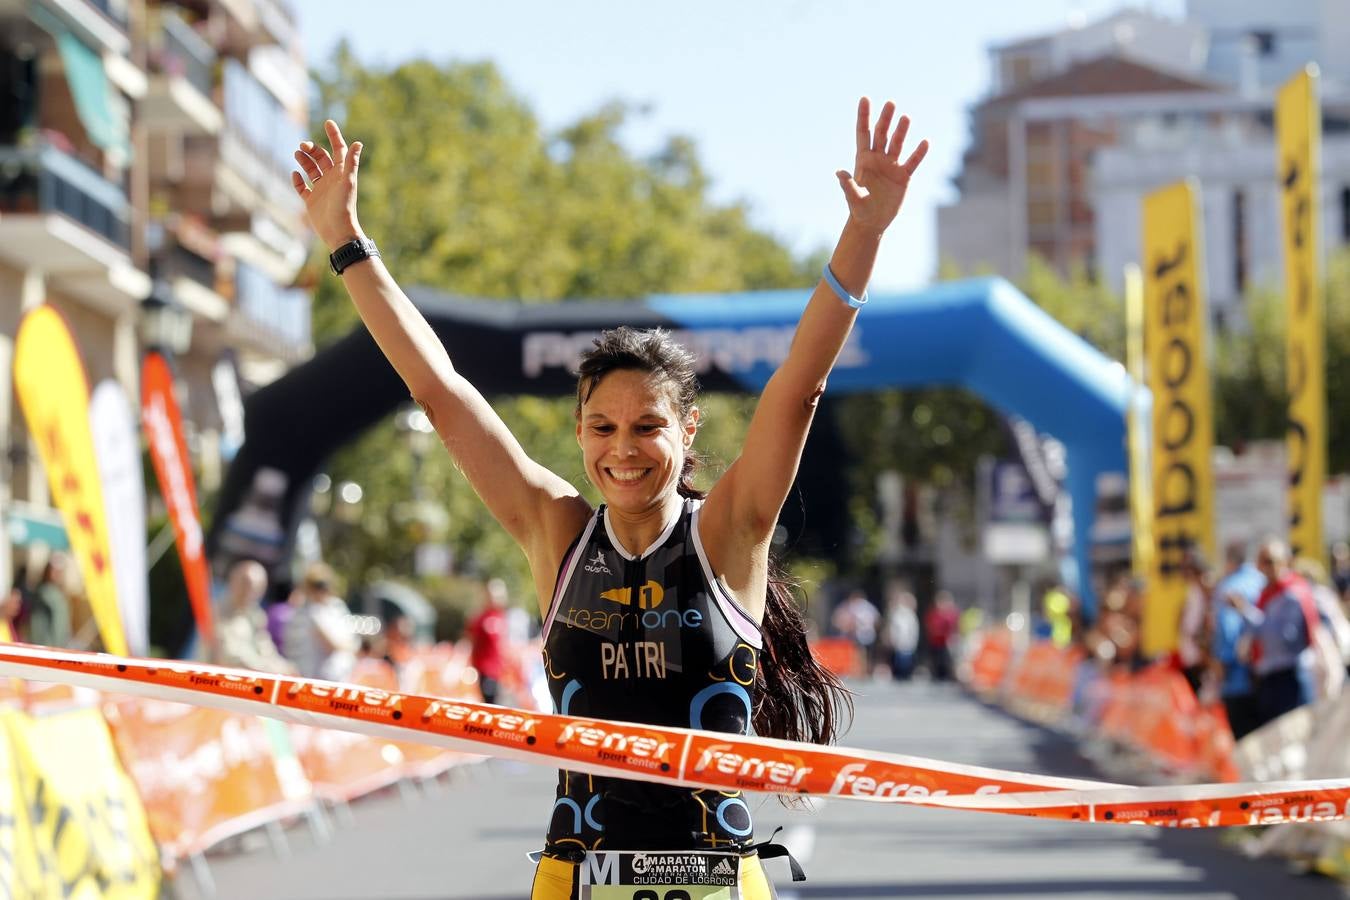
[(600, 868)]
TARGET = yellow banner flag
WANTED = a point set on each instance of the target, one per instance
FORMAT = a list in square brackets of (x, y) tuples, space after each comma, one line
[(1298, 125), (1176, 347), (73, 822), (1136, 427), (54, 393)]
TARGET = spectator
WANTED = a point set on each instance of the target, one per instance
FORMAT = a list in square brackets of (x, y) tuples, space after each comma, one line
[(1057, 607), (279, 613), (487, 632), (398, 650), (319, 636), (902, 633), (1328, 605), (10, 609), (940, 627), (1231, 638), (1116, 639), (857, 619), (1281, 618), (1192, 639), (49, 618), (1340, 568), (241, 634)]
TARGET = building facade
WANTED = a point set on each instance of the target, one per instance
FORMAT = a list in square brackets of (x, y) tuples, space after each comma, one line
[(1065, 149), (145, 151)]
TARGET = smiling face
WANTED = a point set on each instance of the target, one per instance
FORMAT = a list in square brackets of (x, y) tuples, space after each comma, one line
[(634, 439)]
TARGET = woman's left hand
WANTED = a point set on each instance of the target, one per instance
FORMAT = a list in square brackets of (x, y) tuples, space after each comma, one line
[(877, 186)]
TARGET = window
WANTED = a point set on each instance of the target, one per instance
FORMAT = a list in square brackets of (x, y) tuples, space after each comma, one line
[(1345, 215), (1239, 220)]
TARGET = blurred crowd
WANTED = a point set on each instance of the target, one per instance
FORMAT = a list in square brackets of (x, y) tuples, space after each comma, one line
[(899, 640), (1265, 632), (309, 630), (38, 607)]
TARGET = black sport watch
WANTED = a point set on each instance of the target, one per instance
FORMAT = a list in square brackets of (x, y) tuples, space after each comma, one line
[(352, 252)]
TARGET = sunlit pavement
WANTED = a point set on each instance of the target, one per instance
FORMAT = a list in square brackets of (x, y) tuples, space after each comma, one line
[(468, 839)]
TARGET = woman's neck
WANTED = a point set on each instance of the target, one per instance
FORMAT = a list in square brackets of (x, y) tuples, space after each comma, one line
[(638, 530)]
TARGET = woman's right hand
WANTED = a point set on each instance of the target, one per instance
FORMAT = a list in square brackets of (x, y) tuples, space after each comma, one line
[(330, 196)]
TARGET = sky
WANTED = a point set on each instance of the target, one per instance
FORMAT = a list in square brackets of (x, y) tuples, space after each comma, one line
[(767, 89)]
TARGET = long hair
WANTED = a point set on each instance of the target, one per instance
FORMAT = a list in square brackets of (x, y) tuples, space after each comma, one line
[(797, 699)]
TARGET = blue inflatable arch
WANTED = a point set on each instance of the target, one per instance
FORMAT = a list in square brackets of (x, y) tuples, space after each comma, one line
[(981, 334)]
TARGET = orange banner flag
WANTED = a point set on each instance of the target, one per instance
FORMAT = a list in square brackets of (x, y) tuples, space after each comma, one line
[(164, 431)]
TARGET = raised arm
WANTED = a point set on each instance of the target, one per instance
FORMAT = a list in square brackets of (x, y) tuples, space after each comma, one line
[(754, 488), (538, 508)]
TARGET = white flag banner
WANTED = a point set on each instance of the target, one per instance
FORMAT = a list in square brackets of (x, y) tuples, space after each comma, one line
[(120, 470)]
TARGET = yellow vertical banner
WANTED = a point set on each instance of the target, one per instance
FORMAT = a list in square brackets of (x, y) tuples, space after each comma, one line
[(54, 393), (1298, 126), (74, 825), (1176, 355), (1136, 427)]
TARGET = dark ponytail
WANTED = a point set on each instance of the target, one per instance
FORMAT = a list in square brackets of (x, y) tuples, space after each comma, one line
[(797, 698)]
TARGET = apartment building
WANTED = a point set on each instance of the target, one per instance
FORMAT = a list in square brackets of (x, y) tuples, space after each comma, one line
[(144, 158), (1082, 123)]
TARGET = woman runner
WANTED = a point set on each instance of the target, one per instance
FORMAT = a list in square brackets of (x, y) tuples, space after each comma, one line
[(661, 606)]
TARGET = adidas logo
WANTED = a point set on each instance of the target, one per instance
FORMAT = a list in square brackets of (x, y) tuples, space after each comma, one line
[(597, 566), (724, 868)]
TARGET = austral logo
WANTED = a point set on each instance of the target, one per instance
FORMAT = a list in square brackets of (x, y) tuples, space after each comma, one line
[(597, 566), (650, 596)]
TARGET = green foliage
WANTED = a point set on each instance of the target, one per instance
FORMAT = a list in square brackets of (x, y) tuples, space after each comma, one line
[(1084, 306), (1250, 398), (467, 193), (937, 435)]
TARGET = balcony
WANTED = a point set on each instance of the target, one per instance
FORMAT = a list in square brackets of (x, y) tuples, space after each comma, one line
[(270, 318), (182, 79), (100, 23), (45, 180), (243, 171), (56, 209), (258, 23), (278, 20), (185, 254)]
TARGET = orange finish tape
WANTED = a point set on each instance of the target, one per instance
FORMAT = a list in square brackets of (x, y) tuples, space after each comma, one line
[(681, 756)]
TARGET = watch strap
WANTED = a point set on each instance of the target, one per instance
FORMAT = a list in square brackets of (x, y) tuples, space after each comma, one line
[(350, 253)]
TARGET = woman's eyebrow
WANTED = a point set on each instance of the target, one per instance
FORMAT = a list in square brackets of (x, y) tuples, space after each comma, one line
[(649, 414)]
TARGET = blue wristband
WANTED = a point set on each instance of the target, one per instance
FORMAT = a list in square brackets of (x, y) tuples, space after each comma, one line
[(843, 295)]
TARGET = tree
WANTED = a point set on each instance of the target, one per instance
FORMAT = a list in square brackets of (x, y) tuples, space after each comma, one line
[(937, 435), (467, 193), (1250, 399)]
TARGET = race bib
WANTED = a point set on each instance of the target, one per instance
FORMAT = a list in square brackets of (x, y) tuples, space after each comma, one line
[(647, 875)]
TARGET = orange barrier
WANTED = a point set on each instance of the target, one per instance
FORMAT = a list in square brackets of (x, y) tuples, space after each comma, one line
[(1164, 711), (839, 655), (991, 662), (1042, 680), (1153, 711), (1116, 710), (440, 672), (1215, 744), (202, 774)]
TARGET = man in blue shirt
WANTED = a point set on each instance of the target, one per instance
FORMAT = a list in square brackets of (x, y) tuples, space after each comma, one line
[(1282, 648), (1231, 636)]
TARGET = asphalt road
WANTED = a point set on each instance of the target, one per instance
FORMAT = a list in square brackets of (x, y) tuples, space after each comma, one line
[(467, 839)]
